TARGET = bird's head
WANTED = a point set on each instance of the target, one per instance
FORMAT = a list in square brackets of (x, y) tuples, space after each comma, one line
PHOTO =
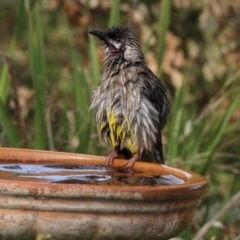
[(120, 43)]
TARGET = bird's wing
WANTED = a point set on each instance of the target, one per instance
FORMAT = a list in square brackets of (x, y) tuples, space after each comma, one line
[(153, 89)]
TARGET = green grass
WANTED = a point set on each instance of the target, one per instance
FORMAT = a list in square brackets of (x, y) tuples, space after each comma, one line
[(164, 18), (38, 74)]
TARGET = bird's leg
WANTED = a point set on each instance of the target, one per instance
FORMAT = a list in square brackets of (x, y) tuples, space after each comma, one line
[(114, 154), (132, 160), (111, 157)]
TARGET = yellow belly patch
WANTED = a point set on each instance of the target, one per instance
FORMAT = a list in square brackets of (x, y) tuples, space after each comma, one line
[(119, 132)]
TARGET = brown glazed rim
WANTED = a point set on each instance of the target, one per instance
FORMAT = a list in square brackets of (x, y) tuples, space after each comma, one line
[(194, 186)]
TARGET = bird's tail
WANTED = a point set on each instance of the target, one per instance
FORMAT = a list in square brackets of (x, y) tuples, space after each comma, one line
[(155, 156)]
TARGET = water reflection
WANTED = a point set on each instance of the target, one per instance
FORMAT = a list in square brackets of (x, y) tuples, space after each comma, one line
[(83, 175)]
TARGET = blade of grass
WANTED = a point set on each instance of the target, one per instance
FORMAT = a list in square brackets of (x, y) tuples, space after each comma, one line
[(22, 17), (80, 84), (187, 234), (191, 144), (95, 67), (4, 79), (175, 122), (164, 19), (81, 101), (20, 25), (114, 19), (218, 133), (8, 129), (64, 141), (37, 68)]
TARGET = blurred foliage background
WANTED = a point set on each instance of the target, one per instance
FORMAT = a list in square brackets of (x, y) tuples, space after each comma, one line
[(49, 66)]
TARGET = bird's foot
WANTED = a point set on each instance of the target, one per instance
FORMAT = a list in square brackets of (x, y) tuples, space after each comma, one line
[(132, 160), (114, 154)]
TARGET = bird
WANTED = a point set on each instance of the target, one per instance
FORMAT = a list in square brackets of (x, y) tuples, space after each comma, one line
[(130, 104)]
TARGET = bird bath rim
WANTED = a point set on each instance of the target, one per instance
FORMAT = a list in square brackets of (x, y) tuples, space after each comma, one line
[(192, 181)]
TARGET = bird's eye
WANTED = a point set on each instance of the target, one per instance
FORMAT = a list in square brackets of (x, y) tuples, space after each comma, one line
[(118, 39)]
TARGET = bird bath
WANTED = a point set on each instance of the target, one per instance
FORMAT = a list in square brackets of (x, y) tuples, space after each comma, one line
[(74, 196)]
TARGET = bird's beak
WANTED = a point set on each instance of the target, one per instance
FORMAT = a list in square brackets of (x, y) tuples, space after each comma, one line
[(100, 35)]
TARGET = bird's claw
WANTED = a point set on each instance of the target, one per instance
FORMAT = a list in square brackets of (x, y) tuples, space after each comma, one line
[(130, 163), (111, 157)]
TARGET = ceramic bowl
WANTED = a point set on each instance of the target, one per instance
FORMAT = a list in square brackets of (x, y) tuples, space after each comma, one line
[(91, 211)]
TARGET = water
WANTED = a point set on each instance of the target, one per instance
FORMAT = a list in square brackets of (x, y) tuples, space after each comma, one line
[(83, 175)]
